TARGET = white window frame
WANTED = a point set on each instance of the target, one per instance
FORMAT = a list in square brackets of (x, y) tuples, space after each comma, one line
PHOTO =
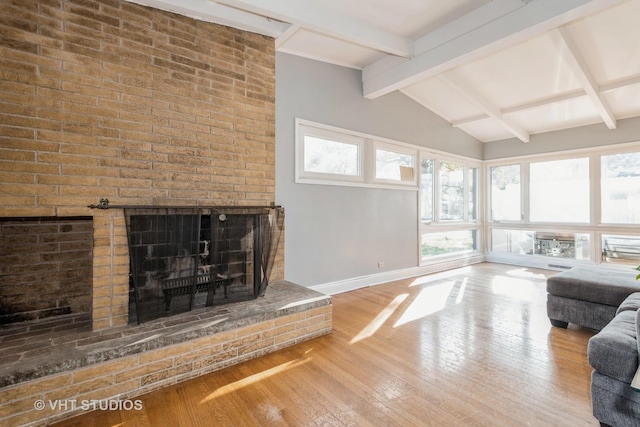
[(589, 184), (431, 158), (598, 179), (467, 223), (465, 195), (367, 163), (467, 164), (378, 145), (595, 228), (304, 176), (524, 194)]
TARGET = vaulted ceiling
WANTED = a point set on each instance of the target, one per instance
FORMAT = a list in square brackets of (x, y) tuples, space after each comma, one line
[(496, 69)]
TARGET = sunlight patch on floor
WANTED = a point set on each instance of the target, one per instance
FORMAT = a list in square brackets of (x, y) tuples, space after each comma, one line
[(431, 299), (229, 388), (442, 275), (379, 320), (463, 287), (524, 272), (272, 412), (518, 288)]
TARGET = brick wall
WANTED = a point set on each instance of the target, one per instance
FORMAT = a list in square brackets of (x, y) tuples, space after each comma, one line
[(45, 268), (111, 99), (105, 98)]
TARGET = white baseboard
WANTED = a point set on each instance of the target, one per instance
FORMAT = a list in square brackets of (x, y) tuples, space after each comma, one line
[(333, 288)]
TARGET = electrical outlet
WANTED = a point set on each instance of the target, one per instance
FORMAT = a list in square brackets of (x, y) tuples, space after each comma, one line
[(380, 264)]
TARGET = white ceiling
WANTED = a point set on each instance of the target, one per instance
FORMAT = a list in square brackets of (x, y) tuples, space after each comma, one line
[(495, 69)]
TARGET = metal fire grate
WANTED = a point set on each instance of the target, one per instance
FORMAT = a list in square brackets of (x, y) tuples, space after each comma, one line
[(187, 258)]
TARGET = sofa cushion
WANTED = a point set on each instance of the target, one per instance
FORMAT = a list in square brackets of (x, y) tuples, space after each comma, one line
[(594, 284), (635, 384), (632, 302), (638, 331), (614, 350)]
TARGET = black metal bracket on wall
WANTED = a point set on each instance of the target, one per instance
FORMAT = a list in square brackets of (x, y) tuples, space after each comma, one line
[(104, 204)]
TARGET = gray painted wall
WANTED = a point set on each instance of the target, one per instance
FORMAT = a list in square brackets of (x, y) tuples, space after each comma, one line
[(338, 233), (627, 130)]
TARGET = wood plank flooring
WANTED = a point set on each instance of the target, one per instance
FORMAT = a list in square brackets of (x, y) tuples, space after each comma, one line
[(468, 347)]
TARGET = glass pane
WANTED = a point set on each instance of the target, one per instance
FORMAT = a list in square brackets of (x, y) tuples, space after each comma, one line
[(473, 194), (394, 166), (448, 242), (512, 241), (559, 191), (583, 246), (426, 189), (563, 245), (326, 156), (451, 192), (620, 183), (505, 193), (621, 249)]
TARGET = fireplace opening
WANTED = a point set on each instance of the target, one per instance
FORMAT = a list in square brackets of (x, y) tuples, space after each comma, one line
[(187, 258), (46, 267)]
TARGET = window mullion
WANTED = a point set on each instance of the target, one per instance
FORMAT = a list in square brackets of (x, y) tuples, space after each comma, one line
[(595, 188), (525, 193), (436, 191)]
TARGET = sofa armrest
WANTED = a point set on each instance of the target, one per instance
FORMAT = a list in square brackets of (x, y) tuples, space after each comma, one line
[(635, 383), (638, 330)]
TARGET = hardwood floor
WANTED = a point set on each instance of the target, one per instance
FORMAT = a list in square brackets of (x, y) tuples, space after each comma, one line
[(468, 347)]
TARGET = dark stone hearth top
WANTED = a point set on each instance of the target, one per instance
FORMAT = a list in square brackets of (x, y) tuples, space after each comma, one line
[(47, 347)]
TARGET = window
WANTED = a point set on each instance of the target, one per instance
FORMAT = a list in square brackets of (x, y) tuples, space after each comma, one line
[(448, 242), (512, 241), (449, 208), (451, 178), (472, 203), (505, 193), (426, 189), (559, 191), (323, 154), (332, 156), (551, 244), (326, 156), (624, 249), (620, 188), (393, 165), (577, 206)]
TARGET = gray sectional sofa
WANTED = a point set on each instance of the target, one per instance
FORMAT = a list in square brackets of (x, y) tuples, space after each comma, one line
[(588, 296), (613, 355), (608, 301)]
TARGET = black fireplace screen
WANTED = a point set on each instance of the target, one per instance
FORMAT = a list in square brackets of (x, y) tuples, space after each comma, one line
[(187, 258)]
